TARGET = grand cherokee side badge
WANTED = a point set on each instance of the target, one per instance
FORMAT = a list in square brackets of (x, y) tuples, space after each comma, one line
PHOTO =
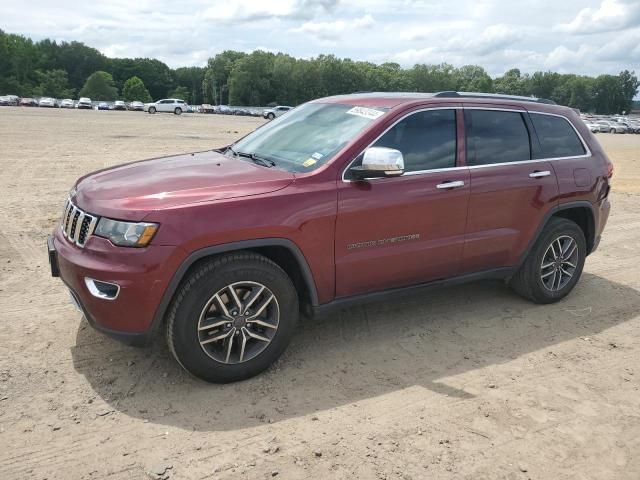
[(383, 241)]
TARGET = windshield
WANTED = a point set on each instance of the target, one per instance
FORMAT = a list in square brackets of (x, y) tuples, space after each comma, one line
[(308, 136)]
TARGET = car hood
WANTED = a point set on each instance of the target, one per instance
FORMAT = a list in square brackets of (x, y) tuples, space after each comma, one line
[(131, 191)]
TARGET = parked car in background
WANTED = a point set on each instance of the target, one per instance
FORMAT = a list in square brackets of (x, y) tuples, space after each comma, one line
[(271, 113), (206, 108), (28, 102), (630, 126), (343, 200), (592, 126), (119, 105), (167, 105), (136, 106), (67, 103), (47, 102), (9, 100), (85, 103), (611, 127), (103, 106)]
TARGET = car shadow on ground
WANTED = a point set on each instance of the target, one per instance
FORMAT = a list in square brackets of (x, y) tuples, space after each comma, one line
[(355, 355)]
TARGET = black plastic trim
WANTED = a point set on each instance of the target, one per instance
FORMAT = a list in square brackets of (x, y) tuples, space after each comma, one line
[(394, 293), (231, 247)]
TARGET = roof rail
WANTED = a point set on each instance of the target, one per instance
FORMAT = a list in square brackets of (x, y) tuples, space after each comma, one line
[(497, 96)]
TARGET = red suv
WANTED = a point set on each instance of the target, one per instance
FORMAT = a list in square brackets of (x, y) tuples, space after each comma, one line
[(342, 200)]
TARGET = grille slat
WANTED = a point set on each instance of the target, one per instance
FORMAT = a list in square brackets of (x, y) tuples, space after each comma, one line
[(77, 225)]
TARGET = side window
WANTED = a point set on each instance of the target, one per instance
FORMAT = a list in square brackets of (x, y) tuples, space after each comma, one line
[(426, 139), (557, 137), (495, 136)]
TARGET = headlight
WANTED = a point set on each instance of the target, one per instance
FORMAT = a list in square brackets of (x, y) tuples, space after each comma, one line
[(126, 234)]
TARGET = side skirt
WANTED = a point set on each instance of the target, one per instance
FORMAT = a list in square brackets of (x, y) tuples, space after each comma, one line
[(326, 309)]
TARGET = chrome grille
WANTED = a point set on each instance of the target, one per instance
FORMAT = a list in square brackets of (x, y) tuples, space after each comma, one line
[(77, 225)]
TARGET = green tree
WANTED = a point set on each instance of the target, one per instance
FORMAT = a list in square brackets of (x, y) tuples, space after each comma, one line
[(53, 83), (181, 93), (99, 86), (134, 89)]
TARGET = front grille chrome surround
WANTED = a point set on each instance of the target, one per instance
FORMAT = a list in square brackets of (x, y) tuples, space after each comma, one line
[(77, 225)]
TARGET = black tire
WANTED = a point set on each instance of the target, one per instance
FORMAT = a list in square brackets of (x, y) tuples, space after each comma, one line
[(178, 111), (197, 289), (528, 281), (271, 116), (152, 110), (613, 130)]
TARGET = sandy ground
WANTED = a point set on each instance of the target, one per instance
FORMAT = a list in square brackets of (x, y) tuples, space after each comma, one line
[(471, 382)]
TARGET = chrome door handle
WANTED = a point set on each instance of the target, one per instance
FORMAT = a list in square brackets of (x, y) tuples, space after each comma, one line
[(537, 174), (447, 185)]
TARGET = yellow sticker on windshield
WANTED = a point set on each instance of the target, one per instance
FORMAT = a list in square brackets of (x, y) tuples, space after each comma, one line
[(309, 161)]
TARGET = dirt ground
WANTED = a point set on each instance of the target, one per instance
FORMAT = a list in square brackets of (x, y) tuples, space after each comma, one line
[(466, 383)]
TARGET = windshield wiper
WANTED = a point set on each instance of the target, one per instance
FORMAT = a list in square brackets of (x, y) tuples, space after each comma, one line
[(265, 162)]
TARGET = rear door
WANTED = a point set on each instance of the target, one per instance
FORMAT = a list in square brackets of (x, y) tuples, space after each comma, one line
[(392, 232), (511, 191)]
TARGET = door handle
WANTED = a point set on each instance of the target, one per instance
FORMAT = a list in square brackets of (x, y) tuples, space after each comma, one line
[(450, 184), (539, 174)]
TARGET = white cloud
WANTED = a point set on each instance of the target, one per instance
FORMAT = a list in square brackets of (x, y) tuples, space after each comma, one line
[(610, 16), (248, 10), (333, 30)]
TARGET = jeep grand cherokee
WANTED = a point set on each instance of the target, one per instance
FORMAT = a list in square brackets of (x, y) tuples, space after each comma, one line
[(344, 199)]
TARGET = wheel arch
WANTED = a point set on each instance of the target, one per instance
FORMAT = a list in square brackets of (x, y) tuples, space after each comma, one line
[(281, 251), (581, 212)]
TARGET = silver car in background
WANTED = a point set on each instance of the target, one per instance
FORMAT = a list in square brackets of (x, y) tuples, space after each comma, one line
[(271, 113), (47, 102), (67, 103)]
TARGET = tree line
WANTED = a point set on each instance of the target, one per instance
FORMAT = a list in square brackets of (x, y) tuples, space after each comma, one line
[(65, 69)]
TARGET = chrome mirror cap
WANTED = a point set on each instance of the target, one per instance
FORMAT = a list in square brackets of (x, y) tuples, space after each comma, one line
[(380, 162)]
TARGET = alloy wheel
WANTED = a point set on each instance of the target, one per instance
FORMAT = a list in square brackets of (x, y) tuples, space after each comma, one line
[(238, 322), (559, 263)]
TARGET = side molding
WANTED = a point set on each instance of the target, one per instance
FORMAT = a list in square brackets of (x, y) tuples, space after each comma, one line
[(231, 247)]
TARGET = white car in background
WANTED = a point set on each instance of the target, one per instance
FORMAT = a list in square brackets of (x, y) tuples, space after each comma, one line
[(47, 102), (137, 106), (66, 103), (84, 102), (167, 105), (271, 113)]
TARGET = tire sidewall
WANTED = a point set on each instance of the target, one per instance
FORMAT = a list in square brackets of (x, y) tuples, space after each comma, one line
[(152, 110), (559, 229), (186, 346), (178, 111)]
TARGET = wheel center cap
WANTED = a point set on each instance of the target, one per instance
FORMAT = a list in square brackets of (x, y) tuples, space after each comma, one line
[(239, 322)]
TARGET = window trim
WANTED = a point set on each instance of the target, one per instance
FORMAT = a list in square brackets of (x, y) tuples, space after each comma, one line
[(415, 172), (470, 167)]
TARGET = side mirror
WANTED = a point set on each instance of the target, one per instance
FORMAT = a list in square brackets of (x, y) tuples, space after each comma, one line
[(379, 162)]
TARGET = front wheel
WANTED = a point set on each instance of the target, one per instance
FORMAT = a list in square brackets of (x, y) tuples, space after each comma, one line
[(152, 110), (178, 111), (555, 263), (233, 316), (613, 130), (271, 116)]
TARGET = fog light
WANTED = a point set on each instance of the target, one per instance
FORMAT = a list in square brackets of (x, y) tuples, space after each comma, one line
[(100, 289)]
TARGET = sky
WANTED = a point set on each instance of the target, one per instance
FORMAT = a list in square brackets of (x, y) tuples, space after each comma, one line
[(569, 36)]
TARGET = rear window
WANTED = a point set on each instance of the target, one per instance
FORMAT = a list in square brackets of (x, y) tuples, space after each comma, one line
[(557, 137), (495, 136)]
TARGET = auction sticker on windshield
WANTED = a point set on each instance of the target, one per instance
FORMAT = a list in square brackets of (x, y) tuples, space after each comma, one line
[(369, 113)]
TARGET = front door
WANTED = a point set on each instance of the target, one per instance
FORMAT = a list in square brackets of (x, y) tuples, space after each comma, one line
[(394, 232)]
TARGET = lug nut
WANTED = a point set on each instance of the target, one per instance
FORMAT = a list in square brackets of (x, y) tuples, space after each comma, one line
[(234, 312), (228, 325)]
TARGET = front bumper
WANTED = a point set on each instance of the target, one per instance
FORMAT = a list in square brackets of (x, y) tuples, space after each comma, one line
[(141, 273)]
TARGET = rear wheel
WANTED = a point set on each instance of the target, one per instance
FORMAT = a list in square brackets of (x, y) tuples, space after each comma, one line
[(271, 116), (152, 109), (178, 111), (232, 317), (554, 265), (613, 130)]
